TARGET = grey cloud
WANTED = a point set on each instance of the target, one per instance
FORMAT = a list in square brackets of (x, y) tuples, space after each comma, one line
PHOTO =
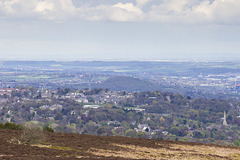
[(167, 11)]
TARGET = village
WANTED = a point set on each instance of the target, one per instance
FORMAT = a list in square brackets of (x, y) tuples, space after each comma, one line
[(120, 113)]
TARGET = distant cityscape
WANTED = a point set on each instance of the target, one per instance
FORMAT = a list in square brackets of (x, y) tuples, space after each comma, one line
[(207, 79)]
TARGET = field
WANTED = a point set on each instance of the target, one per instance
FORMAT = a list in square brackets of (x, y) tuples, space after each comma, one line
[(73, 146)]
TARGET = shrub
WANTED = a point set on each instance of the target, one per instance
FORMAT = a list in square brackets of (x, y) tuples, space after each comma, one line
[(9, 125), (48, 129), (101, 131), (237, 142), (32, 134), (1, 126)]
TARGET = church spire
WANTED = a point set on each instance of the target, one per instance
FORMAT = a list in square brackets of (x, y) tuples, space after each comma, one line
[(224, 119)]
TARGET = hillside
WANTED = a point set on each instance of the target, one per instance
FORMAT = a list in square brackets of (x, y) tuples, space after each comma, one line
[(123, 83), (74, 146)]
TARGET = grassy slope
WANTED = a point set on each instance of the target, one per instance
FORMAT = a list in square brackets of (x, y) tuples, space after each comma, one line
[(74, 146)]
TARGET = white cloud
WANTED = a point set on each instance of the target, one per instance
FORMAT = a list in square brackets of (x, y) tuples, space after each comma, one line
[(16, 8), (220, 11), (125, 12), (129, 7), (169, 11), (141, 3), (43, 6), (45, 9), (196, 11), (117, 12), (55, 9), (166, 11)]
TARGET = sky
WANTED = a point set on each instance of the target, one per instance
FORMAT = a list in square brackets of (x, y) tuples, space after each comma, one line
[(119, 30)]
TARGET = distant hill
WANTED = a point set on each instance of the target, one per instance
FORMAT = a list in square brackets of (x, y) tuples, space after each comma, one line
[(123, 83), (62, 146)]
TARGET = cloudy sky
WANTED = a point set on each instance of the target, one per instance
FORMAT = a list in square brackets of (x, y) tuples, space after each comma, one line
[(118, 30)]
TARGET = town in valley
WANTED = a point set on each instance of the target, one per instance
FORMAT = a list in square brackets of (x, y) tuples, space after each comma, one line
[(122, 100)]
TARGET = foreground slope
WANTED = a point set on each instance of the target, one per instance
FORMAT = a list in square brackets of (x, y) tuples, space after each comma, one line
[(74, 146)]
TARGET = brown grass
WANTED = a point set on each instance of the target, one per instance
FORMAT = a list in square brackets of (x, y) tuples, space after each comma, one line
[(59, 146), (173, 152)]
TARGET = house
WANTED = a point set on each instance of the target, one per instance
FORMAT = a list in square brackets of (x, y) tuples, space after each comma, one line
[(165, 133), (44, 107), (113, 122), (82, 100), (143, 128), (91, 106), (73, 112), (56, 107)]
